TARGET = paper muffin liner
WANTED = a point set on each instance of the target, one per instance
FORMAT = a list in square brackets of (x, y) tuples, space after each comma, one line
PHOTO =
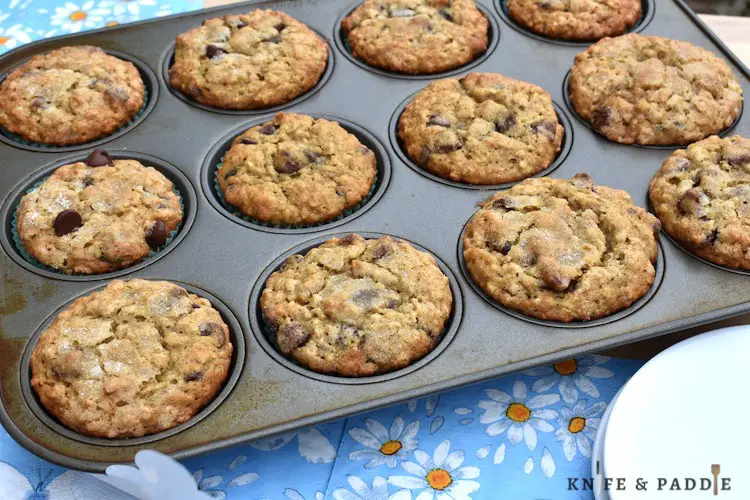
[(17, 138), (237, 213), (15, 236)]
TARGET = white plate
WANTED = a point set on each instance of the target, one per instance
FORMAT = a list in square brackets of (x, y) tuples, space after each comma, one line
[(686, 409), (597, 453)]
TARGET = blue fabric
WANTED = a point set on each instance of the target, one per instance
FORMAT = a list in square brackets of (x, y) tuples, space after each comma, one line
[(518, 437)]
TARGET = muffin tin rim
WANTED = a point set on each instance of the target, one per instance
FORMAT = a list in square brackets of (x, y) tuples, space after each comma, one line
[(648, 7), (261, 330), (659, 268), (493, 40), (11, 202), (237, 363), (665, 147), (566, 146), (167, 59), (212, 159), (150, 83)]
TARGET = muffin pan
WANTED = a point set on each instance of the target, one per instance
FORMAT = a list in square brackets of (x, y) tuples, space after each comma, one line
[(228, 259)]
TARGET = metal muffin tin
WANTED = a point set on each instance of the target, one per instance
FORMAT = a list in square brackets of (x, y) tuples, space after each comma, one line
[(227, 259)]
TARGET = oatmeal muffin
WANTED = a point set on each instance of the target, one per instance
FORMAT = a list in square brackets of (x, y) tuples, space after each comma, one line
[(562, 250), (135, 358), (482, 129), (71, 95), (296, 169), (651, 90), (98, 215), (702, 197), (577, 20), (356, 307), (248, 61), (416, 36)]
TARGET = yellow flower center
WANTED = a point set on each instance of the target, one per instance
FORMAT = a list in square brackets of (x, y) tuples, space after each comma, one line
[(111, 23), (439, 479), (78, 15), (3, 39), (518, 412), (568, 367), (390, 447), (576, 424)]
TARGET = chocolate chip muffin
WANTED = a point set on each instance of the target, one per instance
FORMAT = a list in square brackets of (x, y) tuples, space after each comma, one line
[(562, 250), (578, 20), (482, 129), (135, 358), (416, 36), (98, 215), (651, 90), (356, 307), (71, 95), (702, 197), (296, 169), (248, 61)]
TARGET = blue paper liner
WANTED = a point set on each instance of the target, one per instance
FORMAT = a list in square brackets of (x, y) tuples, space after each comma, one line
[(31, 260), (234, 211), (21, 140)]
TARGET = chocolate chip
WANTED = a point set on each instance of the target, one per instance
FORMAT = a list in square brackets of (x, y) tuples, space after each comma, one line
[(268, 129), (555, 282), (507, 123), (157, 235), (446, 15), (381, 251), (402, 13), (505, 248), (364, 150), (546, 4), (739, 159), (66, 222), (294, 259), (572, 287), (392, 304), (439, 121), (214, 330), (447, 148), (601, 118), (679, 164), (424, 155), (273, 39), (239, 25), (286, 164), (178, 292), (349, 239), (88, 181), (39, 102), (280, 27), (248, 141), (230, 173), (546, 128), (117, 94), (711, 239), (98, 158), (193, 376), (212, 51), (291, 336), (194, 91), (314, 157), (504, 203), (692, 202), (582, 181)]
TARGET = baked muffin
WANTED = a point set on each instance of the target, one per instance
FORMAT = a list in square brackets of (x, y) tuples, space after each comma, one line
[(71, 95), (651, 90), (580, 20), (135, 358), (248, 61), (484, 128), (356, 307), (98, 215), (702, 197), (562, 249), (296, 169), (416, 36)]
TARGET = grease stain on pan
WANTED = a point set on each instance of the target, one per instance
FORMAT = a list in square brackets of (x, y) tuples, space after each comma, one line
[(12, 300)]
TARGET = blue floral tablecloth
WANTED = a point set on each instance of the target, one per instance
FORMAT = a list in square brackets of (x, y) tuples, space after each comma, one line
[(519, 437)]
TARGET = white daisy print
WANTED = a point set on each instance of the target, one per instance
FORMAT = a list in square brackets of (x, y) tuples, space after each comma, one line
[(384, 446), (519, 416), (73, 18), (378, 491), (572, 375), (127, 7), (440, 476), (311, 443), (13, 36), (578, 428)]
